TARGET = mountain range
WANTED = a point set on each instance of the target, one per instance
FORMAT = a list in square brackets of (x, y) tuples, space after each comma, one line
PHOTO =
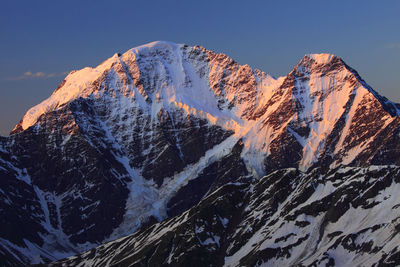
[(169, 154)]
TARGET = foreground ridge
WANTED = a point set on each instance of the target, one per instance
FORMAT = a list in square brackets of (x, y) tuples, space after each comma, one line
[(344, 217)]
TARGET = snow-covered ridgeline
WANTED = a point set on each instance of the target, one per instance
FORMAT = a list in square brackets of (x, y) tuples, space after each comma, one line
[(164, 76)]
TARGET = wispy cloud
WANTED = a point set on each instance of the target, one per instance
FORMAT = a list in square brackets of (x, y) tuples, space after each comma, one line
[(37, 75), (393, 46)]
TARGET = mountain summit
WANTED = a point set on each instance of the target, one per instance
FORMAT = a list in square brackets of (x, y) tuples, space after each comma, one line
[(152, 132)]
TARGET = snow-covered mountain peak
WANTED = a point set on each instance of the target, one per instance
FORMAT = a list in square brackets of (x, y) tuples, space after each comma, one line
[(156, 45), (164, 73), (85, 82), (323, 58), (327, 73), (319, 63)]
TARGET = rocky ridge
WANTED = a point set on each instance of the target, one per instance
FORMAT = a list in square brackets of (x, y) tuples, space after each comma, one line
[(340, 217)]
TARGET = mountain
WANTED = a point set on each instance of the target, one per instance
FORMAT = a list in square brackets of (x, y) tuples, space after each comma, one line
[(153, 132)]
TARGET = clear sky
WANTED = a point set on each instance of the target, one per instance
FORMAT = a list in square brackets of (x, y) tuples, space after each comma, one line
[(42, 40)]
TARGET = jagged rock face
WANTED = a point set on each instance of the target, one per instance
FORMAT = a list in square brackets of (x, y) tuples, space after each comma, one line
[(148, 134), (229, 168), (328, 114), (339, 217)]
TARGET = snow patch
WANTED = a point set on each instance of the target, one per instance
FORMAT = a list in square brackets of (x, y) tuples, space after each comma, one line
[(323, 58)]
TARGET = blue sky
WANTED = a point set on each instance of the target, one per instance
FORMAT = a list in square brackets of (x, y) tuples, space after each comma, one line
[(42, 40)]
